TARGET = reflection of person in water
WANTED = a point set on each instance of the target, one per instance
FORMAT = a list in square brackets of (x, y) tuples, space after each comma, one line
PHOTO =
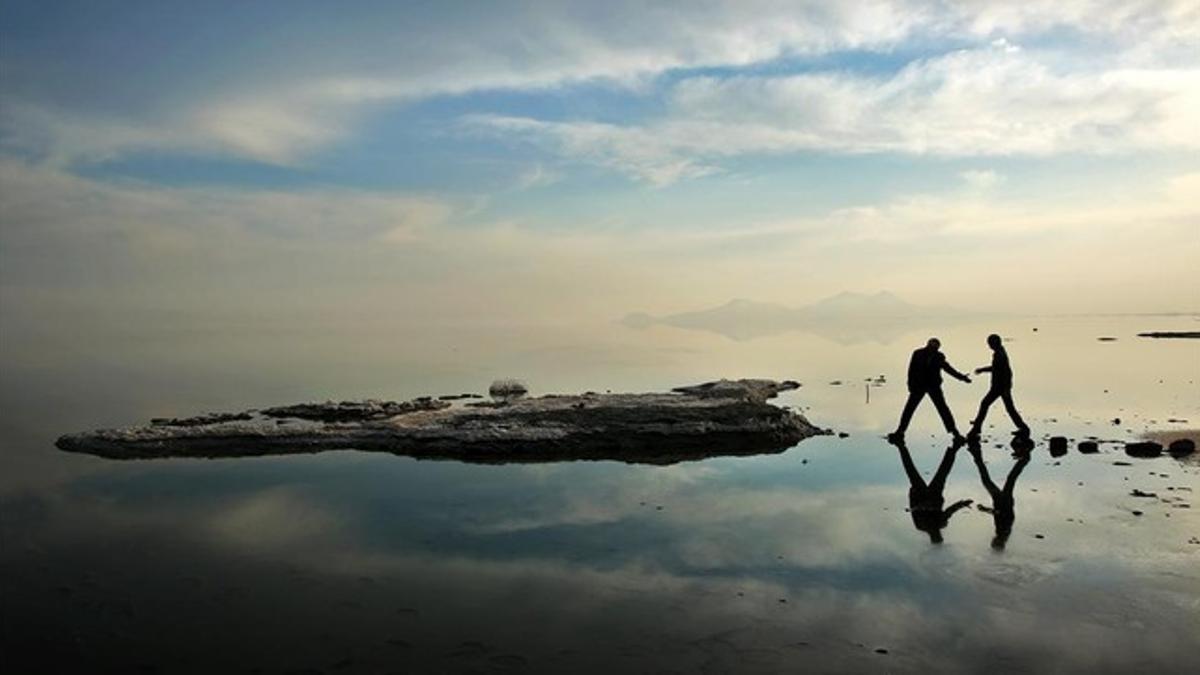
[(1002, 381), (925, 378), (925, 500), (1003, 504)]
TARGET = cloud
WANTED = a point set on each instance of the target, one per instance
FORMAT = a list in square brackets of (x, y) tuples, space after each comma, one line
[(537, 176), (983, 102), (287, 97), (306, 80), (632, 150), (981, 179), (276, 518), (110, 250), (42, 202)]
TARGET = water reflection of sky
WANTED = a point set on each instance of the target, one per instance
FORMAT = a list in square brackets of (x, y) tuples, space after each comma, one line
[(807, 559)]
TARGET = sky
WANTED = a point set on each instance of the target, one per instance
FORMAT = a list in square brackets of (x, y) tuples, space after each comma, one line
[(566, 161)]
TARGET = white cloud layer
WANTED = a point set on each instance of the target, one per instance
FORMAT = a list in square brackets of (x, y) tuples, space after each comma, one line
[(308, 85), (988, 102), (41, 202), (67, 241)]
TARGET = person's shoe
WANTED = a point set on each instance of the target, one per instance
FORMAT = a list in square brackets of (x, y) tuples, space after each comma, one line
[(959, 439), (973, 434), (895, 437), (1021, 445)]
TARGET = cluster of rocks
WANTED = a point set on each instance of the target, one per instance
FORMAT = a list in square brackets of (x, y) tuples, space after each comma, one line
[(1180, 447)]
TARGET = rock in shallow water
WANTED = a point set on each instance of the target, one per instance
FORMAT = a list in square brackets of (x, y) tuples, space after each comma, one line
[(1181, 447), (1143, 449), (715, 418), (1058, 446)]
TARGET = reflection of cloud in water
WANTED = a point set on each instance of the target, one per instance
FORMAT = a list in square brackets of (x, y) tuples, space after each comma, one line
[(275, 518), (332, 595)]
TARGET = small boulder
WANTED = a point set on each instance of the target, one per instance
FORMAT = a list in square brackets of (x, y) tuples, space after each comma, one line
[(1181, 447), (1143, 449), (1058, 446), (508, 390), (1089, 447)]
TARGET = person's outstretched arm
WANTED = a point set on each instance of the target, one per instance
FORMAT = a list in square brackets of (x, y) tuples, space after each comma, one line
[(950, 369), (983, 369), (960, 504)]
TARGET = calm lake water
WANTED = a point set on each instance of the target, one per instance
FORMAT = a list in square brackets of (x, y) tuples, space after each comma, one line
[(808, 560)]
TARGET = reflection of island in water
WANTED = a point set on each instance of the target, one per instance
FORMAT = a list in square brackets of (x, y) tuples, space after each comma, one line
[(846, 318)]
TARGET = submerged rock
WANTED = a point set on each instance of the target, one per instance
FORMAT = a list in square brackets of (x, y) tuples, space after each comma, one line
[(1193, 334), (1058, 446), (1143, 449), (715, 418), (1181, 447), (1089, 447)]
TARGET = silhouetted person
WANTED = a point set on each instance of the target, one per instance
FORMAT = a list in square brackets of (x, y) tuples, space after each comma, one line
[(1003, 505), (925, 378), (1002, 381), (925, 500)]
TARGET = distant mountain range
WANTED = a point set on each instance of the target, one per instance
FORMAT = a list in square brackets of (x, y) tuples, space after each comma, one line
[(845, 317)]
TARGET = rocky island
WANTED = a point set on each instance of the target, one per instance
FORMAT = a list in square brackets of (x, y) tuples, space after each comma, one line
[(725, 417)]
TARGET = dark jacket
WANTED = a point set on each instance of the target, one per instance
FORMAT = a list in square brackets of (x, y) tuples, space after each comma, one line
[(925, 369), (1002, 376)]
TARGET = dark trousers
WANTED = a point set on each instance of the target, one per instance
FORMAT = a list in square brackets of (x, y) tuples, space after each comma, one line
[(1004, 394), (939, 402)]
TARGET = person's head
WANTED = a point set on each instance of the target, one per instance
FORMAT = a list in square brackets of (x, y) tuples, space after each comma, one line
[(994, 341), (1001, 538), (934, 344)]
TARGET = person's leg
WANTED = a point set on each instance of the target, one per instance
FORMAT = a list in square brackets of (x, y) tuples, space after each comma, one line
[(1012, 411), (910, 406), (986, 403), (915, 481), (939, 401)]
